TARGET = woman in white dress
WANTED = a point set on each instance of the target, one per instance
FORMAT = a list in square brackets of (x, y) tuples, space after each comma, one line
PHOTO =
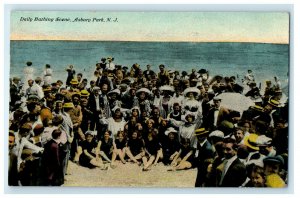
[(47, 75)]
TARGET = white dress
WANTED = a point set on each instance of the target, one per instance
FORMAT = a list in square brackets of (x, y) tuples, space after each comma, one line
[(48, 76)]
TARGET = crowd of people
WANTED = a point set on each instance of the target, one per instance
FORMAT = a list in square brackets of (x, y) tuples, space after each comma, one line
[(144, 118)]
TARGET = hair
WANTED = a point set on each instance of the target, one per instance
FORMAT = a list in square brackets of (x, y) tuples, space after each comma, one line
[(48, 66), (31, 106), (57, 120), (229, 140), (56, 133), (79, 74)]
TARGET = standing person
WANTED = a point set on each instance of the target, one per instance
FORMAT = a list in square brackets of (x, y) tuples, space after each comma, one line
[(163, 76), (28, 73), (148, 73), (71, 73), (234, 172), (47, 75), (53, 161), (204, 155), (13, 161), (110, 66), (14, 91)]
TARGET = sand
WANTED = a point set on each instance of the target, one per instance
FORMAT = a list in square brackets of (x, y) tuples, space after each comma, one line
[(129, 175)]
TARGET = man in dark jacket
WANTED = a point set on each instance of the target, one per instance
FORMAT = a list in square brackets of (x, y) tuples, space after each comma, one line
[(204, 156), (234, 172)]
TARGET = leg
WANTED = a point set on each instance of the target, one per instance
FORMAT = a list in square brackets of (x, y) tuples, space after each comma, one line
[(183, 165), (104, 156), (149, 163), (121, 154), (77, 154), (159, 156), (113, 159), (129, 154)]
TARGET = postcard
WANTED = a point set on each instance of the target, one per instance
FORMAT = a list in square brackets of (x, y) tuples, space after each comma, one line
[(149, 99)]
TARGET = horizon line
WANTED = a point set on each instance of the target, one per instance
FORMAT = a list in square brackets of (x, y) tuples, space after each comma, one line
[(70, 40)]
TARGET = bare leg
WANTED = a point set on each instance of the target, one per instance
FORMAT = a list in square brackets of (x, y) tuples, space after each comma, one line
[(113, 159), (121, 154), (129, 154), (97, 163), (77, 154), (159, 156), (144, 159), (183, 165), (149, 163), (104, 156)]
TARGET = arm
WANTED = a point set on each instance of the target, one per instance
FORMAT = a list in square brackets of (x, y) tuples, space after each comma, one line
[(187, 156)]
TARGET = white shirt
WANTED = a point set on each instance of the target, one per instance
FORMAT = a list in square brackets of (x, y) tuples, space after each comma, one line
[(216, 113)]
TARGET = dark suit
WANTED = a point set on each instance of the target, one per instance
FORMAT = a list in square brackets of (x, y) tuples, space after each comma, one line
[(208, 121), (52, 163), (95, 120), (235, 175), (205, 154)]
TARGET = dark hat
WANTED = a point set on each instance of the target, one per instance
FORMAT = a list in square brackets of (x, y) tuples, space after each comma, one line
[(16, 78), (161, 66), (29, 63), (201, 131), (274, 160), (103, 59), (125, 68), (202, 71)]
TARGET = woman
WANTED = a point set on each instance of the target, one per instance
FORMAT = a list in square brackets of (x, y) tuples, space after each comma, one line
[(170, 146), (91, 157), (120, 146), (71, 73), (153, 151), (142, 101), (257, 177), (135, 148), (47, 75), (185, 157), (107, 147)]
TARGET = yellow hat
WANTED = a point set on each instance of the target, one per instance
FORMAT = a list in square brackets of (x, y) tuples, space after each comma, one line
[(47, 89), (68, 105), (274, 103), (84, 93), (274, 181), (250, 141), (201, 131), (258, 108), (74, 82)]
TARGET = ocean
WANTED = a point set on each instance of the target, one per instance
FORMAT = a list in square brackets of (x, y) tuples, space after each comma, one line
[(227, 59)]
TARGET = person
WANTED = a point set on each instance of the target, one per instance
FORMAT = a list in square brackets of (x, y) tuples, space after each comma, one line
[(12, 167), (163, 76), (91, 157), (120, 146), (257, 177), (148, 73), (71, 73), (215, 115), (47, 75), (106, 148), (153, 151), (110, 66), (135, 147), (53, 161), (170, 146), (234, 172), (15, 94), (29, 73), (204, 155), (184, 159)]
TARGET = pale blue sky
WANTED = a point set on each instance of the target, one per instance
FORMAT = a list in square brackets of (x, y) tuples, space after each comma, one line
[(262, 27)]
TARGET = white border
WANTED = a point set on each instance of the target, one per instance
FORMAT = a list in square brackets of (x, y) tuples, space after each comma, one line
[(282, 6)]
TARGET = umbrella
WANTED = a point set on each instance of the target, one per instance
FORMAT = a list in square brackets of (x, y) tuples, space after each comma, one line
[(191, 89), (143, 90), (235, 101), (166, 88)]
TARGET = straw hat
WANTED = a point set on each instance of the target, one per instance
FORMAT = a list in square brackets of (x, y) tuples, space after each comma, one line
[(201, 131), (191, 89), (274, 103), (250, 141), (68, 105), (74, 82)]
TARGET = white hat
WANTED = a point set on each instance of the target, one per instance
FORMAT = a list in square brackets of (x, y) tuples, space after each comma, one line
[(263, 140), (216, 133), (191, 89), (170, 130)]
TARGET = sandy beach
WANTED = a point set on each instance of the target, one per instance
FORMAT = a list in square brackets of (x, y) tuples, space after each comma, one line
[(129, 175)]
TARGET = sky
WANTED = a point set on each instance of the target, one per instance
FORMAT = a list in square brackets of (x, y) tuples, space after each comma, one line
[(261, 27)]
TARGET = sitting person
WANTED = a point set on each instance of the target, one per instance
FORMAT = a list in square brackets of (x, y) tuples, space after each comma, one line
[(153, 151), (135, 148), (171, 146), (106, 147), (185, 157), (90, 156), (120, 146)]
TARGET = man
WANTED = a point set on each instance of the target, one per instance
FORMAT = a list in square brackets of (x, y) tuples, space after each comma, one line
[(163, 76), (14, 90), (148, 73), (13, 161), (110, 66), (234, 172), (216, 115), (204, 156)]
